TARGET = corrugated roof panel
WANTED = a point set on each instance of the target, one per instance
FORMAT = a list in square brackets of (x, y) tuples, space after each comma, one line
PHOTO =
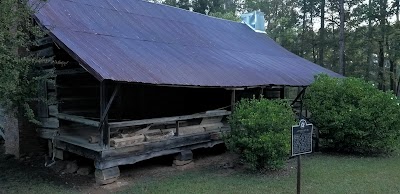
[(138, 41)]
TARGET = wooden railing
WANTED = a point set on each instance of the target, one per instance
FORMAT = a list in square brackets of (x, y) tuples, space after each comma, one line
[(82, 120)]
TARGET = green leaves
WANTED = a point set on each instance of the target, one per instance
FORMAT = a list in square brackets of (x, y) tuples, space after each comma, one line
[(261, 132), (227, 15), (353, 115), (18, 76)]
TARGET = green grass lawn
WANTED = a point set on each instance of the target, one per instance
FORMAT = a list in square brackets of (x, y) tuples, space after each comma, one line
[(321, 174)]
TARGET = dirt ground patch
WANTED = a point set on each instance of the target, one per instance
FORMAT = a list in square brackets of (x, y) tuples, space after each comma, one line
[(30, 172)]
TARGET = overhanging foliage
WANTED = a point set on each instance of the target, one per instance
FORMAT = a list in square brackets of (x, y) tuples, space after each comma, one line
[(19, 76)]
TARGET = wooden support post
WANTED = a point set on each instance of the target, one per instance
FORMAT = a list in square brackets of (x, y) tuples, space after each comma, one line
[(282, 92), (262, 93), (299, 97), (177, 128), (104, 128), (104, 109), (233, 100)]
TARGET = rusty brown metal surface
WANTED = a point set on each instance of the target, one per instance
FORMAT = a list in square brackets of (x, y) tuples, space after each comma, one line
[(142, 42)]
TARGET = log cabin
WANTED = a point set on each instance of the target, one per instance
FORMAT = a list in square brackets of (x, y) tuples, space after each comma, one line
[(141, 80)]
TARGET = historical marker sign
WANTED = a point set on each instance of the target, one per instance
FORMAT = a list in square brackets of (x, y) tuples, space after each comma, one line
[(302, 138)]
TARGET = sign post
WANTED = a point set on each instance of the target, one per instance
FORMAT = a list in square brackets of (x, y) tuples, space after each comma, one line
[(301, 144)]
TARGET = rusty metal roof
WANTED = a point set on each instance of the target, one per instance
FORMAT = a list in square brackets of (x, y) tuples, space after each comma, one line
[(142, 42)]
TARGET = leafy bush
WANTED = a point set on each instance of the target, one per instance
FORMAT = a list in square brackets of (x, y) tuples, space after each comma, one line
[(353, 115), (19, 78), (261, 132)]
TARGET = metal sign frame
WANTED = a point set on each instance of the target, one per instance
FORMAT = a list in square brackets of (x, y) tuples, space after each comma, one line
[(302, 124)]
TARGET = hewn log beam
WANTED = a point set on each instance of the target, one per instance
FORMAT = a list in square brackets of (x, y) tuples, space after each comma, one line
[(167, 119), (76, 119)]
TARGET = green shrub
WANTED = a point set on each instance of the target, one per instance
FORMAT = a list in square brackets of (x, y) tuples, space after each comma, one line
[(261, 132), (353, 115)]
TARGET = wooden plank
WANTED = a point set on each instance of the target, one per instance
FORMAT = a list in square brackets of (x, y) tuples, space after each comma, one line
[(210, 120), (132, 158), (158, 136), (173, 142), (191, 130), (79, 111), (127, 141), (46, 52), (144, 130), (194, 128), (183, 130), (79, 150), (76, 119), (167, 119), (43, 41)]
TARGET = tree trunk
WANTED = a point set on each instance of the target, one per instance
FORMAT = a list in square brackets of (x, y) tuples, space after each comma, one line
[(395, 65), (341, 38), (369, 42), (333, 64), (381, 56), (312, 29), (397, 10), (393, 86), (391, 68), (381, 60), (322, 35), (304, 29)]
